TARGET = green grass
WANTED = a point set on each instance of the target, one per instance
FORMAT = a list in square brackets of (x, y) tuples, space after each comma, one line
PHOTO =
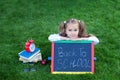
[(21, 20)]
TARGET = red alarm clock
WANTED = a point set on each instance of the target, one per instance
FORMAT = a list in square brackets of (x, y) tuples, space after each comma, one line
[(30, 46)]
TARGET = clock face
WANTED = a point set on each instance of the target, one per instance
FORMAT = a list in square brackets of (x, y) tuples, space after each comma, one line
[(32, 47)]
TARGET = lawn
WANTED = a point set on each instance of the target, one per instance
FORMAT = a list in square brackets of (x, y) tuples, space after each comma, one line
[(21, 20)]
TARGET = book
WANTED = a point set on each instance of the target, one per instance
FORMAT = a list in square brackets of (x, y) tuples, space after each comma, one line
[(28, 55), (36, 58)]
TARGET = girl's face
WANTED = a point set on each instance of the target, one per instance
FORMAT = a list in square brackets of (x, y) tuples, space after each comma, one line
[(72, 30)]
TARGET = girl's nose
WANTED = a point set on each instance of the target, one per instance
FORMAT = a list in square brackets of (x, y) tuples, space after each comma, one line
[(72, 32)]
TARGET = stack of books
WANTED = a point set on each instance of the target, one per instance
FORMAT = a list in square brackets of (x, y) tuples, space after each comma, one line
[(34, 56)]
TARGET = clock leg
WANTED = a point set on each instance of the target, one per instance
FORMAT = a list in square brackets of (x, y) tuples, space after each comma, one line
[(26, 67), (32, 66)]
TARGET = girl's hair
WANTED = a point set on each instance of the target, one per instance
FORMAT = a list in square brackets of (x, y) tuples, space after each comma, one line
[(82, 29)]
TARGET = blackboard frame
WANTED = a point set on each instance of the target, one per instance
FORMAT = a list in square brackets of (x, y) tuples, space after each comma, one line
[(53, 71)]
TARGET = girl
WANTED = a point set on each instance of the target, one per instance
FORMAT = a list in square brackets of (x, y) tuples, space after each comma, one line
[(73, 29)]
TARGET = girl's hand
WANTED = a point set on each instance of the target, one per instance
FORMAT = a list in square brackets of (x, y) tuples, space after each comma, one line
[(83, 38), (65, 38), (80, 39)]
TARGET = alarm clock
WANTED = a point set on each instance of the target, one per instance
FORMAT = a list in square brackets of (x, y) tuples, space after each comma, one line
[(30, 46)]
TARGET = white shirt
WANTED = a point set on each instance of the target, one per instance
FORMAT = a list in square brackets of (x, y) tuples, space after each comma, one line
[(56, 37)]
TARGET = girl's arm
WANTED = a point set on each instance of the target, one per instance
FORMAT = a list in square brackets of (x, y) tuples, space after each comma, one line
[(56, 37), (92, 38)]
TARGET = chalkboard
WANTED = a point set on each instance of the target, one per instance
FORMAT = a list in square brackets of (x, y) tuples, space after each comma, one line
[(72, 57)]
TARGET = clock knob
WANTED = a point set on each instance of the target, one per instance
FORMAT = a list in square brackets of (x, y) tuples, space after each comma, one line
[(31, 41)]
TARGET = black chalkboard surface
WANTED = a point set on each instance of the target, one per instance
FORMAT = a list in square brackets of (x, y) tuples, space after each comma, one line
[(72, 57)]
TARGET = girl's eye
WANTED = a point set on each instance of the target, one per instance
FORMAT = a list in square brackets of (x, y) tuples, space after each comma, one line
[(70, 30), (75, 30)]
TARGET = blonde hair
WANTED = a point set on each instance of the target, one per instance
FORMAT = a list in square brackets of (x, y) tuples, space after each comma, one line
[(82, 29)]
